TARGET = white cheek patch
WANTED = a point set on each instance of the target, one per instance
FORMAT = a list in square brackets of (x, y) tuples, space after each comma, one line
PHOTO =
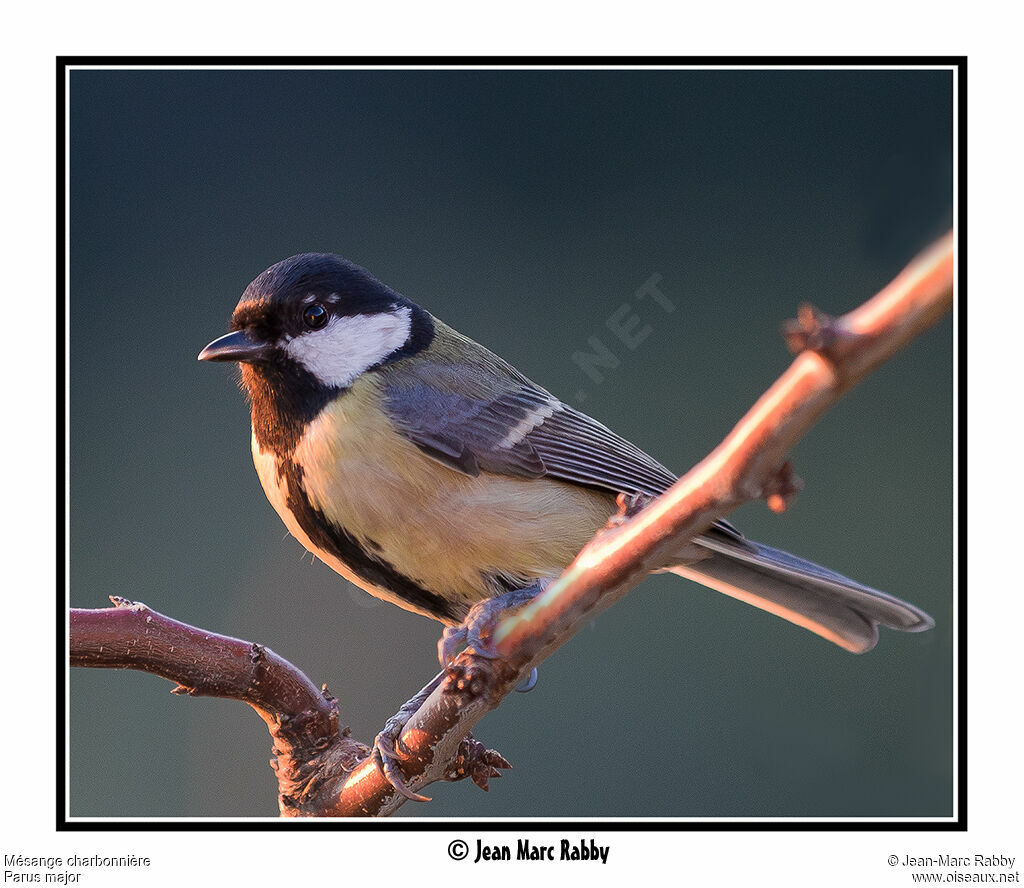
[(348, 346)]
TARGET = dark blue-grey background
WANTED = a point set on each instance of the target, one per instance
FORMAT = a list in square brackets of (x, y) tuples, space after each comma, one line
[(524, 208)]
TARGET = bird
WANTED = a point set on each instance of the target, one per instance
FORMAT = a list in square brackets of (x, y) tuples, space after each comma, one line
[(431, 473)]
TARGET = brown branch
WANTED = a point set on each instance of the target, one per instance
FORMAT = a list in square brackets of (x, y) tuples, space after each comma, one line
[(323, 772), (301, 718), (314, 755), (834, 355)]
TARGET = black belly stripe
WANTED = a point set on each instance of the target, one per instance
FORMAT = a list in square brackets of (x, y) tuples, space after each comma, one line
[(328, 536)]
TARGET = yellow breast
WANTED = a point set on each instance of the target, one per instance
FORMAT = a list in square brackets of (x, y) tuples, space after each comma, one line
[(449, 533)]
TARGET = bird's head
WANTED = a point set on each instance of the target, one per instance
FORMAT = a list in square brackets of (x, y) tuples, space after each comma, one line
[(320, 316), (305, 330)]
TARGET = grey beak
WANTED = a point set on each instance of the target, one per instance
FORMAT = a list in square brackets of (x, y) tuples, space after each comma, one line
[(237, 346)]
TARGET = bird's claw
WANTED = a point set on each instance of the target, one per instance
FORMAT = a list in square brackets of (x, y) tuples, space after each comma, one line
[(528, 683), (477, 630), (473, 760), (452, 640), (388, 751)]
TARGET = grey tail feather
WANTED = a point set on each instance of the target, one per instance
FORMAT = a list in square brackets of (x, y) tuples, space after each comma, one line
[(829, 604)]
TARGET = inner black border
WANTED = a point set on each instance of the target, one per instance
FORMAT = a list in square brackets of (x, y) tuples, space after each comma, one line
[(958, 63)]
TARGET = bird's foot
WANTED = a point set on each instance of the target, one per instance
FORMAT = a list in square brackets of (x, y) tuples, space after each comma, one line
[(388, 750), (476, 635), (473, 759), (388, 754), (477, 631), (468, 676), (455, 639)]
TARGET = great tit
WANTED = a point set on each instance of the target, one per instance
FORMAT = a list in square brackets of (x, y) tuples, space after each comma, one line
[(431, 473)]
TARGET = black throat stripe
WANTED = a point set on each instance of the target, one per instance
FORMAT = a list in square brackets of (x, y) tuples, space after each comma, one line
[(285, 398), (326, 535)]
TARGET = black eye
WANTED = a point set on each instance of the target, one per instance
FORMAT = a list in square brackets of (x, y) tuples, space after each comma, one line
[(315, 316)]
